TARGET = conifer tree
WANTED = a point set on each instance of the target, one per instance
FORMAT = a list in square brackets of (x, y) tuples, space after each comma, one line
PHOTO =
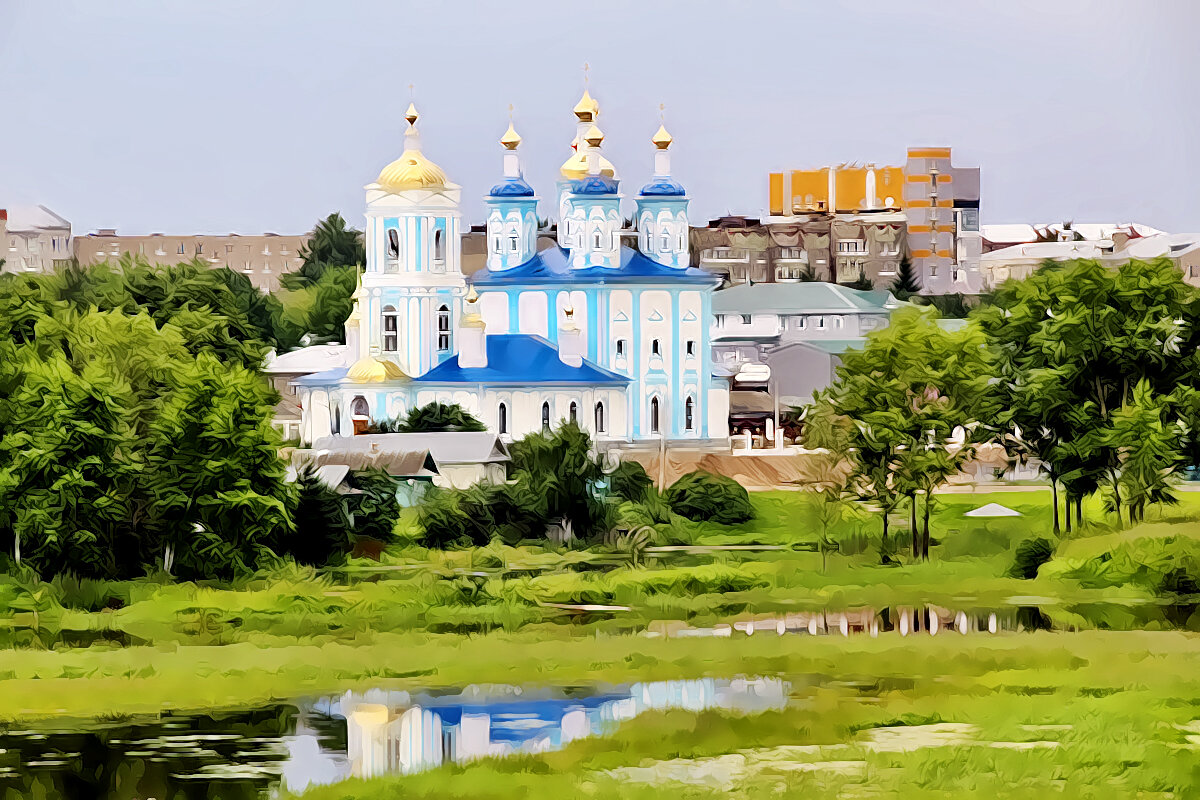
[(906, 284)]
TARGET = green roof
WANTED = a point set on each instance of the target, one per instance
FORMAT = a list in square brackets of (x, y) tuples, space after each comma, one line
[(797, 298), (832, 346)]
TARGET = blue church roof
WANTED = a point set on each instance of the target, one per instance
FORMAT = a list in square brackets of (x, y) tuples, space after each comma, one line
[(663, 187), (552, 265), (329, 376), (524, 359), (595, 184), (512, 187)]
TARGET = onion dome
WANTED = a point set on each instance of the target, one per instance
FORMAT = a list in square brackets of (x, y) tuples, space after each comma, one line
[(576, 167), (412, 170), (662, 140), (587, 109), (663, 187), (511, 138), (595, 184), (375, 370), (512, 187), (594, 136), (471, 317)]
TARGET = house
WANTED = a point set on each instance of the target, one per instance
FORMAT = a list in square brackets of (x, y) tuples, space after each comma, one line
[(459, 458), (414, 470)]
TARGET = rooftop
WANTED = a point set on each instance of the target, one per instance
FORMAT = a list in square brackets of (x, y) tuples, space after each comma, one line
[(521, 358), (799, 298), (307, 360), (33, 218), (552, 265), (446, 447)]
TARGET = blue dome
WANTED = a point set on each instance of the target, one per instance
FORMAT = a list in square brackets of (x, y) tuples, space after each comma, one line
[(663, 187), (512, 187), (595, 184)]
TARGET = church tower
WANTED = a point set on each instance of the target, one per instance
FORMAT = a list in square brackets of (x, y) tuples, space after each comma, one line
[(408, 304), (662, 210), (512, 212), (589, 204)]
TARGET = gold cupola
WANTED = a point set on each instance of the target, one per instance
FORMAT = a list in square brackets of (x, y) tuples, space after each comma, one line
[(662, 140), (412, 170), (471, 317), (375, 370), (511, 139), (587, 109)]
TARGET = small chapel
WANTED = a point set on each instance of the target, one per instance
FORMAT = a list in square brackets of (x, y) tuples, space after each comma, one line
[(593, 331)]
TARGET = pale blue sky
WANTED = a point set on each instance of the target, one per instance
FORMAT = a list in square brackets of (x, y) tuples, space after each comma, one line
[(254, 116)]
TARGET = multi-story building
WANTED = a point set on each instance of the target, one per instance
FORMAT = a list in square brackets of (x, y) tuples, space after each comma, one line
[(843, 248), (1120, 245), (262, 258), (936, 203), (34, 239)]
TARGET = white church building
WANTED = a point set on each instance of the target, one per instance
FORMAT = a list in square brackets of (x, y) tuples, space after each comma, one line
[(613, 338)]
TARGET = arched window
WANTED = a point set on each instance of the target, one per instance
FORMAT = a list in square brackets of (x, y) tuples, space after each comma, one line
[(359, 407), (599, 417), (335, 418), (574, 412), (439, 253), (391, 336), (654, 427), (655, 347), (689, 409), (597, 240), (443, 329), (545, 416), (502, 418), (392, 263), (514, 242)]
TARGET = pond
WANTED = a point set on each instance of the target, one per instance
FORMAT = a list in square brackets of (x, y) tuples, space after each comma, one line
[(250, 754)]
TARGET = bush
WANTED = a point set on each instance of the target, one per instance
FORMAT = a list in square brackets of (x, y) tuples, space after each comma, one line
[(630, 481), (702, 496), (476, 515), (1031, 554)]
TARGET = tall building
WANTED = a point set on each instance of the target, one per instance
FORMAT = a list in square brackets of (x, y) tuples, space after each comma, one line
[(936, 203), (34, 239), (262, 258), (586, 329)]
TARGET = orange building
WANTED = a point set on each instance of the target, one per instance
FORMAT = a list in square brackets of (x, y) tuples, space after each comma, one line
[(844, 189)]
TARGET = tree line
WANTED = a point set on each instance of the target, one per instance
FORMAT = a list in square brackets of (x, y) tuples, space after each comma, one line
[(1090, 371)]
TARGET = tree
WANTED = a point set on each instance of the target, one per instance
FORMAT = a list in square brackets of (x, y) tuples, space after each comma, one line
[(702, 496), (907, 283), (332, 244), (914, 400), (1071, 342), (808, 274), (318, 309), (1147, 442), (862, 283), (560, 467), (322, 532), (433, 417)]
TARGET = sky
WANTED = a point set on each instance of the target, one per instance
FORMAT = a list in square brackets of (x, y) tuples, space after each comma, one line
[(218, 117)]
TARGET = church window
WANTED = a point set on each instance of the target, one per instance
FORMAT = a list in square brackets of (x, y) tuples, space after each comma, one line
[(691, 347), (620, 348), (666, 241), (502, 418), (654, 426), (689, 409), (443, 329), (655, 347), (496, 246), (599, 417), (390, 329), (574, 412), (335, 418), (597, 240), (545, 416), (514, 242), (392, 263), (682, 243), (439, 250), (359, 407)]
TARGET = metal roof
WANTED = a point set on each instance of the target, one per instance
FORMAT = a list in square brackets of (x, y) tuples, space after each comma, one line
[(815, 297), (446, 447)]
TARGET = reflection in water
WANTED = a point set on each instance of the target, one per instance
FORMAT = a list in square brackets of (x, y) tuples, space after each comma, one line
[(396, 732)]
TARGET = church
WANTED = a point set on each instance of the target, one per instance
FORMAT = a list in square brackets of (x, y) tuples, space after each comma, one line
[(614, 338)]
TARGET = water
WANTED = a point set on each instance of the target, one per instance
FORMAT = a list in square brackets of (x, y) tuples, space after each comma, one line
[(251, 753)]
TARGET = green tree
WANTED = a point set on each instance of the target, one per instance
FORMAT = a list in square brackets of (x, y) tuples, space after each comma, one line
[(322, 532), (432, 417), (318, 309), (907, 283), (560, 467), (861, 283), (1147, 442), (332, 244)]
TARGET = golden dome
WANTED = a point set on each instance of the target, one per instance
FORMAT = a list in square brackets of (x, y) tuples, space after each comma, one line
[(375, 370), (412, 170), (471, 317), (411, 114), (511, 138), (586, 109), (662, 140), (576, 167), (594, 136)]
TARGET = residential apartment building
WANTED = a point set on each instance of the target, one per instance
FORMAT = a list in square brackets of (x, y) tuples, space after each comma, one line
[(34, 239), (936, 203), (262, 258), (1120, 245), (842, 248)]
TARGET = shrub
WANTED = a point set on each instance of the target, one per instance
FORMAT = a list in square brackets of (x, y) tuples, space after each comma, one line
[(1031, 554), (702, 496), (630, 481), (473, 516)]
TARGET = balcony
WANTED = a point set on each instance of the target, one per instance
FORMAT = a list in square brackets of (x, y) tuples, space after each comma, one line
[(726, 255)]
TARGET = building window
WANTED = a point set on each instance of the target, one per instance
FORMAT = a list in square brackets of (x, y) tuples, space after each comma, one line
[(599, 417), (933, 270), (573, 412), (820, 323), (597, 240), (392, 263), (690, 347), (545, 416), (666, 242), (496, 246), (620, 348), (745, 319), (335, 418), (199, 248), (689, 409), (720, 320), (443, 327), (655, 347), (359, 408), (852, 246), (438, 248), (390, 329), (502, 418), (654, 415), (839, 322), (181, 248)]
